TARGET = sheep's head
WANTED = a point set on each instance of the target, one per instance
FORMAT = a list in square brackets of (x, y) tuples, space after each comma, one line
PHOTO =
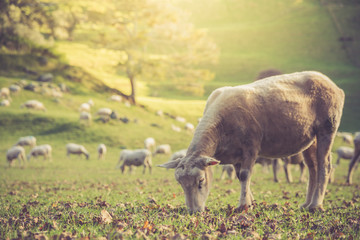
[(195, 177)]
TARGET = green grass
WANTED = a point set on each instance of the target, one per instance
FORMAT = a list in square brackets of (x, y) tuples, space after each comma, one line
[(66, 196)]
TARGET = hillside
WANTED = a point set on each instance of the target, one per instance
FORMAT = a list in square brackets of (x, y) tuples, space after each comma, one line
[(289, 36)]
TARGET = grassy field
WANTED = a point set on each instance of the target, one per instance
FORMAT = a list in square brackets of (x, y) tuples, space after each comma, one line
[(91, 199), (75, 198)]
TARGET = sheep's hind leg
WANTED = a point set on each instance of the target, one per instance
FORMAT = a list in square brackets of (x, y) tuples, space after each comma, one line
[(288, 172), (324, 142), (311, 162), (354, 161)]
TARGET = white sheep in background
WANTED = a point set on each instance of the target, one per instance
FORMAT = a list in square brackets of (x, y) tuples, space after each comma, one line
[(175, 128), (348, 138), (16, 152), (229, 170), (84, 107), (73, 148), (295, 159), (26, 141), (355, 160), (115, 98), (135, 158), (150, 144), (104, 114), (159, 113), (275, 117), (33, 104), (85, 116), (345, 153), (180, 119), (162, 149), (14, 88), (5, 103), (41, 150), (101, 151), (5, 93), (179, 154), (189, 127), (91, 102)]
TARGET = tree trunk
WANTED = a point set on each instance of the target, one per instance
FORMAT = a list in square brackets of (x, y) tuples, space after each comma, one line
[(133, 90)]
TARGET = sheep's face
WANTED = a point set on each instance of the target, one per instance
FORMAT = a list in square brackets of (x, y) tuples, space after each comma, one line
[(195, 177)]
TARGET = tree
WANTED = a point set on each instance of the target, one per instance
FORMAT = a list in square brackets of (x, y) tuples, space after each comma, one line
[(160, 43), (24, 24)]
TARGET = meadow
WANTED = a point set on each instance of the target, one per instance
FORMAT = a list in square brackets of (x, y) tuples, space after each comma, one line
[(74, 198)]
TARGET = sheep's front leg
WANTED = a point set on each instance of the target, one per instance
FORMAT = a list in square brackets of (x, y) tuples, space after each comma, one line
[(244, 175), (246, 195)]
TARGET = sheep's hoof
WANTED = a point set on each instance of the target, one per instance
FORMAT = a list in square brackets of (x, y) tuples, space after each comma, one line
[(304, 206), (242, 208), (316, 209)]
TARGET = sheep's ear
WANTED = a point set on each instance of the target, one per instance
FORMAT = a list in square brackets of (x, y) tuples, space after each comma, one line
[(170, 164), (211, 162)]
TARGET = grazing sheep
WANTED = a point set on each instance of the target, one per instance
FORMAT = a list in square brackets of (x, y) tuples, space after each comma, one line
[(150, 144), (180, 119), (41, 150), (159, 113), (33, 104), (105, 114), (16, 152), (355, 160), (295, 159), (5, 103), (189, 127), (345, 153), (14, 88), (115, 98), (175, 128), (5, 93), (84, 107), (102, 151), (275, 117), (229, 170), (347, 138), (266, 162), (91, 102), (268, 73), (135, 158), (162, 149), (179, 154), (72, 148), (26, 141), (86, 116)]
